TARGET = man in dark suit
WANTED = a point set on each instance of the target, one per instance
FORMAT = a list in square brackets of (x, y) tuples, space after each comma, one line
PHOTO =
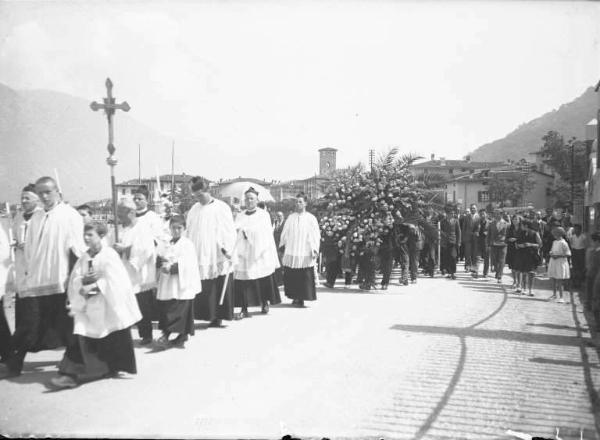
[(450, 238), (497, 240), (483, 245), (469, 232)]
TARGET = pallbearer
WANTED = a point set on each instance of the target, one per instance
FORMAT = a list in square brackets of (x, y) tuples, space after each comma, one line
[(210, 227), (301, 238), (104, 308), (255, 283), (137, 251), (55, 234), (178, 284)]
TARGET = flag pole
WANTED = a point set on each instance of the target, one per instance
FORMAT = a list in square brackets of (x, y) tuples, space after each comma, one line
[(173, 173)]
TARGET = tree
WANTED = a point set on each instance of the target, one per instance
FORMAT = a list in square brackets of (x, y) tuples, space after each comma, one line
[(510, 187), (569, 160)]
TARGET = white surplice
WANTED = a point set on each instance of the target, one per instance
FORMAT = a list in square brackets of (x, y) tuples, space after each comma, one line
[(301, 237), (210, 227), (186, 283), (140, 257), (6, 264), (255, 247), (51, 236), (20, 231), (155, 224), (113, 307)]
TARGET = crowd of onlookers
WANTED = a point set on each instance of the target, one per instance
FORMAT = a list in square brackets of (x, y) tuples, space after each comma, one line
[(530, 243)]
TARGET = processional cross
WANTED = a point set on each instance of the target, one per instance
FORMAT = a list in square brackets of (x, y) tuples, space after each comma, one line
[(109, 106)]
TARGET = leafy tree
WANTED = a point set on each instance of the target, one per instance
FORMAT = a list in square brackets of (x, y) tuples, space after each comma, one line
[(510, 187), (569, 160)]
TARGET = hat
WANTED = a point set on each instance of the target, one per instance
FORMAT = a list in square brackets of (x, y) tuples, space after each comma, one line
[(251, 190)]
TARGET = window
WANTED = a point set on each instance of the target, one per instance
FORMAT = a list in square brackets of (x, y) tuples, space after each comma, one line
[(483, 196)]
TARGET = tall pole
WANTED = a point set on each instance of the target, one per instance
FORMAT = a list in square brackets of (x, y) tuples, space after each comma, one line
[(173, 172), (109, 106), (371, 157), (572, 178), (139, 164)]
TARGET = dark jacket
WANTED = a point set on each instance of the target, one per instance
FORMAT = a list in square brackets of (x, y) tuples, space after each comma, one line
[(497, 233), (470, 228), (450, 231)]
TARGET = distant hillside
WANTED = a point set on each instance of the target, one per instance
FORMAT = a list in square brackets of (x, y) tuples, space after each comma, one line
[(569, 120), (42, 130)]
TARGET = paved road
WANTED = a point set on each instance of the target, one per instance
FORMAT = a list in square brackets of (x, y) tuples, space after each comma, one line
[(436, 360)]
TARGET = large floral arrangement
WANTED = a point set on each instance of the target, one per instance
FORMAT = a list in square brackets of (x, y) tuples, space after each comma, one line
[(357, 208)]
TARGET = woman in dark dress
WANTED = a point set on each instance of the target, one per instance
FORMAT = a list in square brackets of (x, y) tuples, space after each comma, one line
[(511, 239), (527, 257)]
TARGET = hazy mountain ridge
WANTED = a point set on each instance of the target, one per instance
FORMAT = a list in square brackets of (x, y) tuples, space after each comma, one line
[(569, 120), (42, 130)]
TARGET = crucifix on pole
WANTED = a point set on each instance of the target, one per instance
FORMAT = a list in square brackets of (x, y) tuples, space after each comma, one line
[(109, 106)]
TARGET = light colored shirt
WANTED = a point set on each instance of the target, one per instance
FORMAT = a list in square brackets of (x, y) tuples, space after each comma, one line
[(140, 258), (210, 227), (186, 283), (256, 254), (301, 237), (113, 307), (578, 242), (51, 236)]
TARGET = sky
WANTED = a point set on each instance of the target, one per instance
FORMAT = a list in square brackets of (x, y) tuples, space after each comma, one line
[(258, 77)]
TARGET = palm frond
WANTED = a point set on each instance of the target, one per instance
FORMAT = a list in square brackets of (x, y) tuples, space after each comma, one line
[(407, 159), (386, 160)]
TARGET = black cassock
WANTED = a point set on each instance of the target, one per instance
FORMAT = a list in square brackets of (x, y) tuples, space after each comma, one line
[(206, 303), (300, 284)]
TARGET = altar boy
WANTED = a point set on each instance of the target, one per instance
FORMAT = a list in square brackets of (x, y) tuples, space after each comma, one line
[(178, 284)]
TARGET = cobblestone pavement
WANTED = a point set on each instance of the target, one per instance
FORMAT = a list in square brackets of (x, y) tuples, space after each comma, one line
[(442, 359)]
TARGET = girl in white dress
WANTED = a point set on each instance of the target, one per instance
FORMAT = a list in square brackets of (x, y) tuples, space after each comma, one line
[(558, 268)]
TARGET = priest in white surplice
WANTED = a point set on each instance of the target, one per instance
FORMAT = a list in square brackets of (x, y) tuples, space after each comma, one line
[(138, 253), (54, 240), (30, 203), (257, 259), (210, 227), (104, 308), (150, 218), (300, 239)]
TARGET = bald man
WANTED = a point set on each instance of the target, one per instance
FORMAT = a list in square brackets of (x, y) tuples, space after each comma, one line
[(54, 240)]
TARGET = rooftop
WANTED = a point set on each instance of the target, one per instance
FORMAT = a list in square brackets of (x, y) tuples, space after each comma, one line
[(327, 149), (457, 164)]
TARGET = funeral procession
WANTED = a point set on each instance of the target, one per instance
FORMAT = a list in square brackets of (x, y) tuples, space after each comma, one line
[(324, 220)]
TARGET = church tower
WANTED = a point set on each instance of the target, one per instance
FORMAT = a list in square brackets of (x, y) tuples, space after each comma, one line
[(327, 161)]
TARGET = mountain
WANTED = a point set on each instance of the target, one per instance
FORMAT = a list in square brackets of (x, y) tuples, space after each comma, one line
[(569, 120), (43, 130)]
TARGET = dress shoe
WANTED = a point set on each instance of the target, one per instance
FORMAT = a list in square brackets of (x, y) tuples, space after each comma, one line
[(146, 341), (63, 382), (265, 308), (216, 323), (238, 316), (329, 285)]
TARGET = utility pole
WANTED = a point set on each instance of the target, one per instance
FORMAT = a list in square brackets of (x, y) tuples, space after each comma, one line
[(572, 178), (371, 158), (139, 164)]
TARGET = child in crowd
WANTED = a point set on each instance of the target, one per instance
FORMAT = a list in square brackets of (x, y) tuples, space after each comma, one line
[(178, 284), (558, 268)]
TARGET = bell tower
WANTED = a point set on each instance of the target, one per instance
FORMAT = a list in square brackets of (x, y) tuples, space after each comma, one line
[(327, 161)]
